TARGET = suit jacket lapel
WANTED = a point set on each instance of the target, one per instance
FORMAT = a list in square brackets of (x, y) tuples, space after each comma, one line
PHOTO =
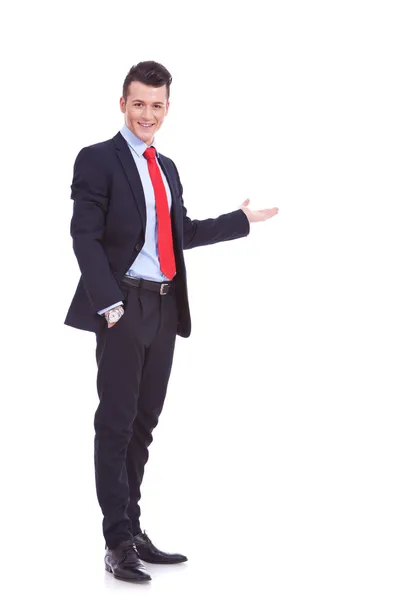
[(129, 166)]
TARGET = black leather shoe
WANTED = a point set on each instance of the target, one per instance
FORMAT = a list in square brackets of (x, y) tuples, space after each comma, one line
[(124, 563), (149, 553)]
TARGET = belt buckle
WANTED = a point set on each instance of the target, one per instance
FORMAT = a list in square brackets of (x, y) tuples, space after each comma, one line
[(162, 293)]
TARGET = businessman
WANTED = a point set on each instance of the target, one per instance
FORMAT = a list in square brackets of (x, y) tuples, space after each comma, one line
[(129, 229)]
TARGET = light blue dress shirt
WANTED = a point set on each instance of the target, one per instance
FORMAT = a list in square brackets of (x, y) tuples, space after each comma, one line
[(147, 263)]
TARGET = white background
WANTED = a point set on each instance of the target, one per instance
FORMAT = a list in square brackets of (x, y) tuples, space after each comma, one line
[(275, 466)]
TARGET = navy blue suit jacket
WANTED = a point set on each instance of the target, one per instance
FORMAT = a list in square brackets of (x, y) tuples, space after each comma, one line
[(108, 227)]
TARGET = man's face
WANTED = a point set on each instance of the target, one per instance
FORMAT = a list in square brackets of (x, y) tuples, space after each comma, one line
[(145, 109)]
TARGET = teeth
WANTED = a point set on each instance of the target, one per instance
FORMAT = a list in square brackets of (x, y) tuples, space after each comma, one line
[(146, 125)]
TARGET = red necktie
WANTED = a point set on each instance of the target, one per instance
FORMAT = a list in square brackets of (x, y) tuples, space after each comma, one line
[(165, 242)]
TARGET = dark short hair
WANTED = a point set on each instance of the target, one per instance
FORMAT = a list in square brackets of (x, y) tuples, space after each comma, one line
[(149, 73)]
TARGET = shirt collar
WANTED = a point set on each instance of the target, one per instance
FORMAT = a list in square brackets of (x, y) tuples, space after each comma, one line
[(137, 145)]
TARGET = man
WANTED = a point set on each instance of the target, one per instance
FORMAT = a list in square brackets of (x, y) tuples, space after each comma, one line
[(129, 230)]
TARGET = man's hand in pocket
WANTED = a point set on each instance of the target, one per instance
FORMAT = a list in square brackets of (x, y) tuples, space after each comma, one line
[(113, 316)]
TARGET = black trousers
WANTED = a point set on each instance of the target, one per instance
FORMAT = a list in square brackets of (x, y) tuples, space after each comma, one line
[(134, 359)]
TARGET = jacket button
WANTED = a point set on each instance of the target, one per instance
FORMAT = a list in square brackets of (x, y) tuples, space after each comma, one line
[(137, 248)]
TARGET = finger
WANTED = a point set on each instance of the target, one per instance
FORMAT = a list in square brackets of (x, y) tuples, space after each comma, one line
[(246, 202), (269, 212), (264, 215)]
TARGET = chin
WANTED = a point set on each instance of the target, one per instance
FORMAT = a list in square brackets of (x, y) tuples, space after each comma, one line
[(142, 137)]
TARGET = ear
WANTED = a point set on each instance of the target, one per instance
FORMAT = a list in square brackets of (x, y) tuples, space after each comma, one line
[(167, 108), (122, 104)]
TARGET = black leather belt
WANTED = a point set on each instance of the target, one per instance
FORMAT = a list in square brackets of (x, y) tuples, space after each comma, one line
[(160, 288)]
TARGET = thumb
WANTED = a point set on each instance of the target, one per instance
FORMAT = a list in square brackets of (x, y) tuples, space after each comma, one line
[(246, 202)]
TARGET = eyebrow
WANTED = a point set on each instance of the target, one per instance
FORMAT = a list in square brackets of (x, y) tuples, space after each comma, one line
[(143, 102)]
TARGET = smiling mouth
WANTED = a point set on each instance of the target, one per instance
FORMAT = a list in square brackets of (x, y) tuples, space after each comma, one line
[(146, 125)]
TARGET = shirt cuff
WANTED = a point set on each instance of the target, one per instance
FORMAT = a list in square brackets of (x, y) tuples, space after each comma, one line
[(101, 312)]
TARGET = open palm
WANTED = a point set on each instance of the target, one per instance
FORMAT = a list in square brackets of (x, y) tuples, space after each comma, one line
[(258, 215)]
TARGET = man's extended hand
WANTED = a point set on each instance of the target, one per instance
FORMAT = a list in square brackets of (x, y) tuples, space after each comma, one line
[(258, 215)]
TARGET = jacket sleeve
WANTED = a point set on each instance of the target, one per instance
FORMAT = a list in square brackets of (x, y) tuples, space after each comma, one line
[(229, 226), (89, 191)]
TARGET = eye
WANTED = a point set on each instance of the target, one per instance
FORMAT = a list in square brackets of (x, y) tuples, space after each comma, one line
[(137, 104)]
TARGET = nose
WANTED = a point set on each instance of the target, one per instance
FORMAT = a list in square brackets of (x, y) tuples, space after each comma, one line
[(147, 113)]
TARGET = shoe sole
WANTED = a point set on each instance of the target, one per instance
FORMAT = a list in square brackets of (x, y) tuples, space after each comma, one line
[(160, 562), (132, 579)]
